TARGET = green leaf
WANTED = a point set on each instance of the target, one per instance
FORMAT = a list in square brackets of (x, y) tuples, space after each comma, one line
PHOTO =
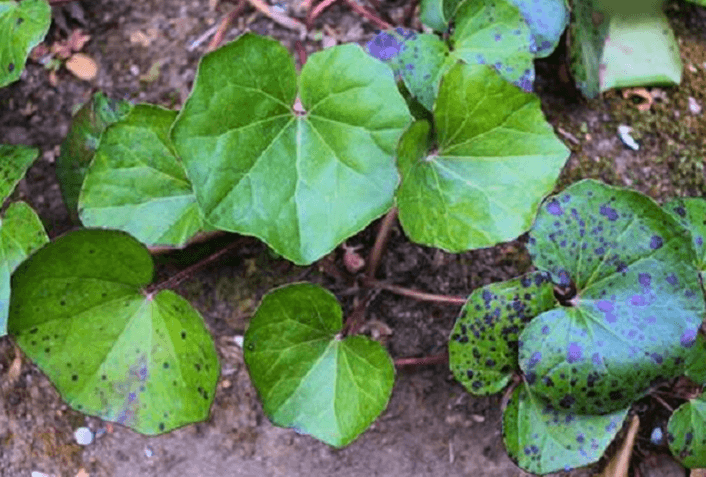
[(22, 26), (690, 212), (496, 158), (437, 14), (307, 376), (21, 233), (485, 33), (542, 439), (638, 303), (81, 142), (136, 183), (144, 361), (14, 162), (483, 343), (695, 367), (547, 20), (619, 44), (686, 433), (302, 181)]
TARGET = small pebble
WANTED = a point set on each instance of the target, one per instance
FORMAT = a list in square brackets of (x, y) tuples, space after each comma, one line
[(656, 437), (83, 436), (694, 106), (624, 133), (148, 451), (39, 474), (238, 340)]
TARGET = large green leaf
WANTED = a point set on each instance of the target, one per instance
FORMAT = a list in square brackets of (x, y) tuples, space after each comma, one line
[(307, 376), (492, 33), (542, 439), (78, 311), (686, 433), (483, 343), (21, 233), (137, 184), (495, 160), (302, 181), (547, 20), (690, 212), (14, 162), (22, 26), (81, 142), (638, 303), (437, 14)]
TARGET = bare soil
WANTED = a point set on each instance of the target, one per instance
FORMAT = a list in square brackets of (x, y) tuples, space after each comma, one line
[(148, 52)]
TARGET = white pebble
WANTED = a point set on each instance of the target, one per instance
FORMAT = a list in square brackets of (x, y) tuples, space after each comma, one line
[(39, 474), (238, 340), (83, 436), (694, 106), (624, 133)]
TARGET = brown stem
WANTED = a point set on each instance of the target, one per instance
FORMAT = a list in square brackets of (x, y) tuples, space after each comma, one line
[(277, 17), (174, 280), (379, 22), (417, 295), (441, 358), (317, 11), (409, 12), (301, 52), (225, 24), (357, 317), (380, 241)]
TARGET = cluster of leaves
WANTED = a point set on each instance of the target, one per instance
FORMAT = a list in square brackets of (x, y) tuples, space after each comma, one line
[(615, 307)]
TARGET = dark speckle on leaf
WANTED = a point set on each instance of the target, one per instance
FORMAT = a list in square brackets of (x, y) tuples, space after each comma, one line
[(609, 212), (644, 279), (573, 353), (688, 338), (554, 208), (655, 242), (672, 279)]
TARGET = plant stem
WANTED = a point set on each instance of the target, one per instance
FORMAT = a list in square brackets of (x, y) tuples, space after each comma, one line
[(301, 52), (357, 317), (379, 22), (277, 17), (174, 280), (441, 358), (317, 11), (417, 295), (380, 242), (225, 24)]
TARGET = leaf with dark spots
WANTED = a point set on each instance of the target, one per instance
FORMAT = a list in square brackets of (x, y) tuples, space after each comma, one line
[(637, 307), (687, 433), (690, 212), (483, 343), (541, 438)]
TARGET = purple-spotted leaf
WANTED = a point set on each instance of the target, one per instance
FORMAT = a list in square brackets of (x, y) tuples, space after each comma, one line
[(22, 26), (78, 311), (494, 160), (485, 33), (483, 343), (547, 20), (695, 367), (691, 213), (437, 14), (686, 433), (632, 302), (307, 376), (542, 438)]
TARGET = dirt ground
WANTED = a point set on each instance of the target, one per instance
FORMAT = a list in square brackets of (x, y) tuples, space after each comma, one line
[(148, 52)]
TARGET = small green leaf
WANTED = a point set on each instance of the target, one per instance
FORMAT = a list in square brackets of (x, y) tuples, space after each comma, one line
[(136, 183), (686, 433), (307, 377), (542, 439), (14, 162), (143, 361), (302, 179), (21, 233), (637, 305), (690, 212), (22, 26), (437, 14), (483, 343), (696, 362), (496, 158), (81, 142)]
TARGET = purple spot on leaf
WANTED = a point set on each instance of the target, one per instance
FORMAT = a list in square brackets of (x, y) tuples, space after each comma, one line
[(573, 354), (609, 212), (672, 279), (604, 306), (534, 359), (644, 279), (596, 359), (655, 242), (384, 46), (699, 240), (657, 358), (638, 300), (688, 338)]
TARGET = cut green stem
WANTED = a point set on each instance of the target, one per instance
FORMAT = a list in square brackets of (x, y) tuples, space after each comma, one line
[(417, 295)]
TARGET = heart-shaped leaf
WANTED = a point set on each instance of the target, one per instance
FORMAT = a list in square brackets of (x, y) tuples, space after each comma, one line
[(690, 212), (302, 177), (307, 376), (686, 433), (437, 14), (483, 343), (542, 439), (496, 158), (81, 142), (14, 162), (633, 303), (547, 20), (21, 233), (136, 183), (22, 26), (485, 33), (78, 312)]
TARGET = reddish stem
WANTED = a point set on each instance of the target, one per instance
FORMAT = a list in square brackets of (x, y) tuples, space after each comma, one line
[(441, 358), (225, 24), (301, 52), (174, 280), (379, 22), (417, 295), (357, 317), (380, 241), (409, 12), (317, 11)]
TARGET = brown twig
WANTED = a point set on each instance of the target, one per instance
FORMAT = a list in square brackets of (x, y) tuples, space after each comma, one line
[(313, 14), (380, 241), (277, 17), (441, 358), (357, 317), (301, 52), (415, 294), (364, 12), (409, 12), (225, 25), (174, 280)]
